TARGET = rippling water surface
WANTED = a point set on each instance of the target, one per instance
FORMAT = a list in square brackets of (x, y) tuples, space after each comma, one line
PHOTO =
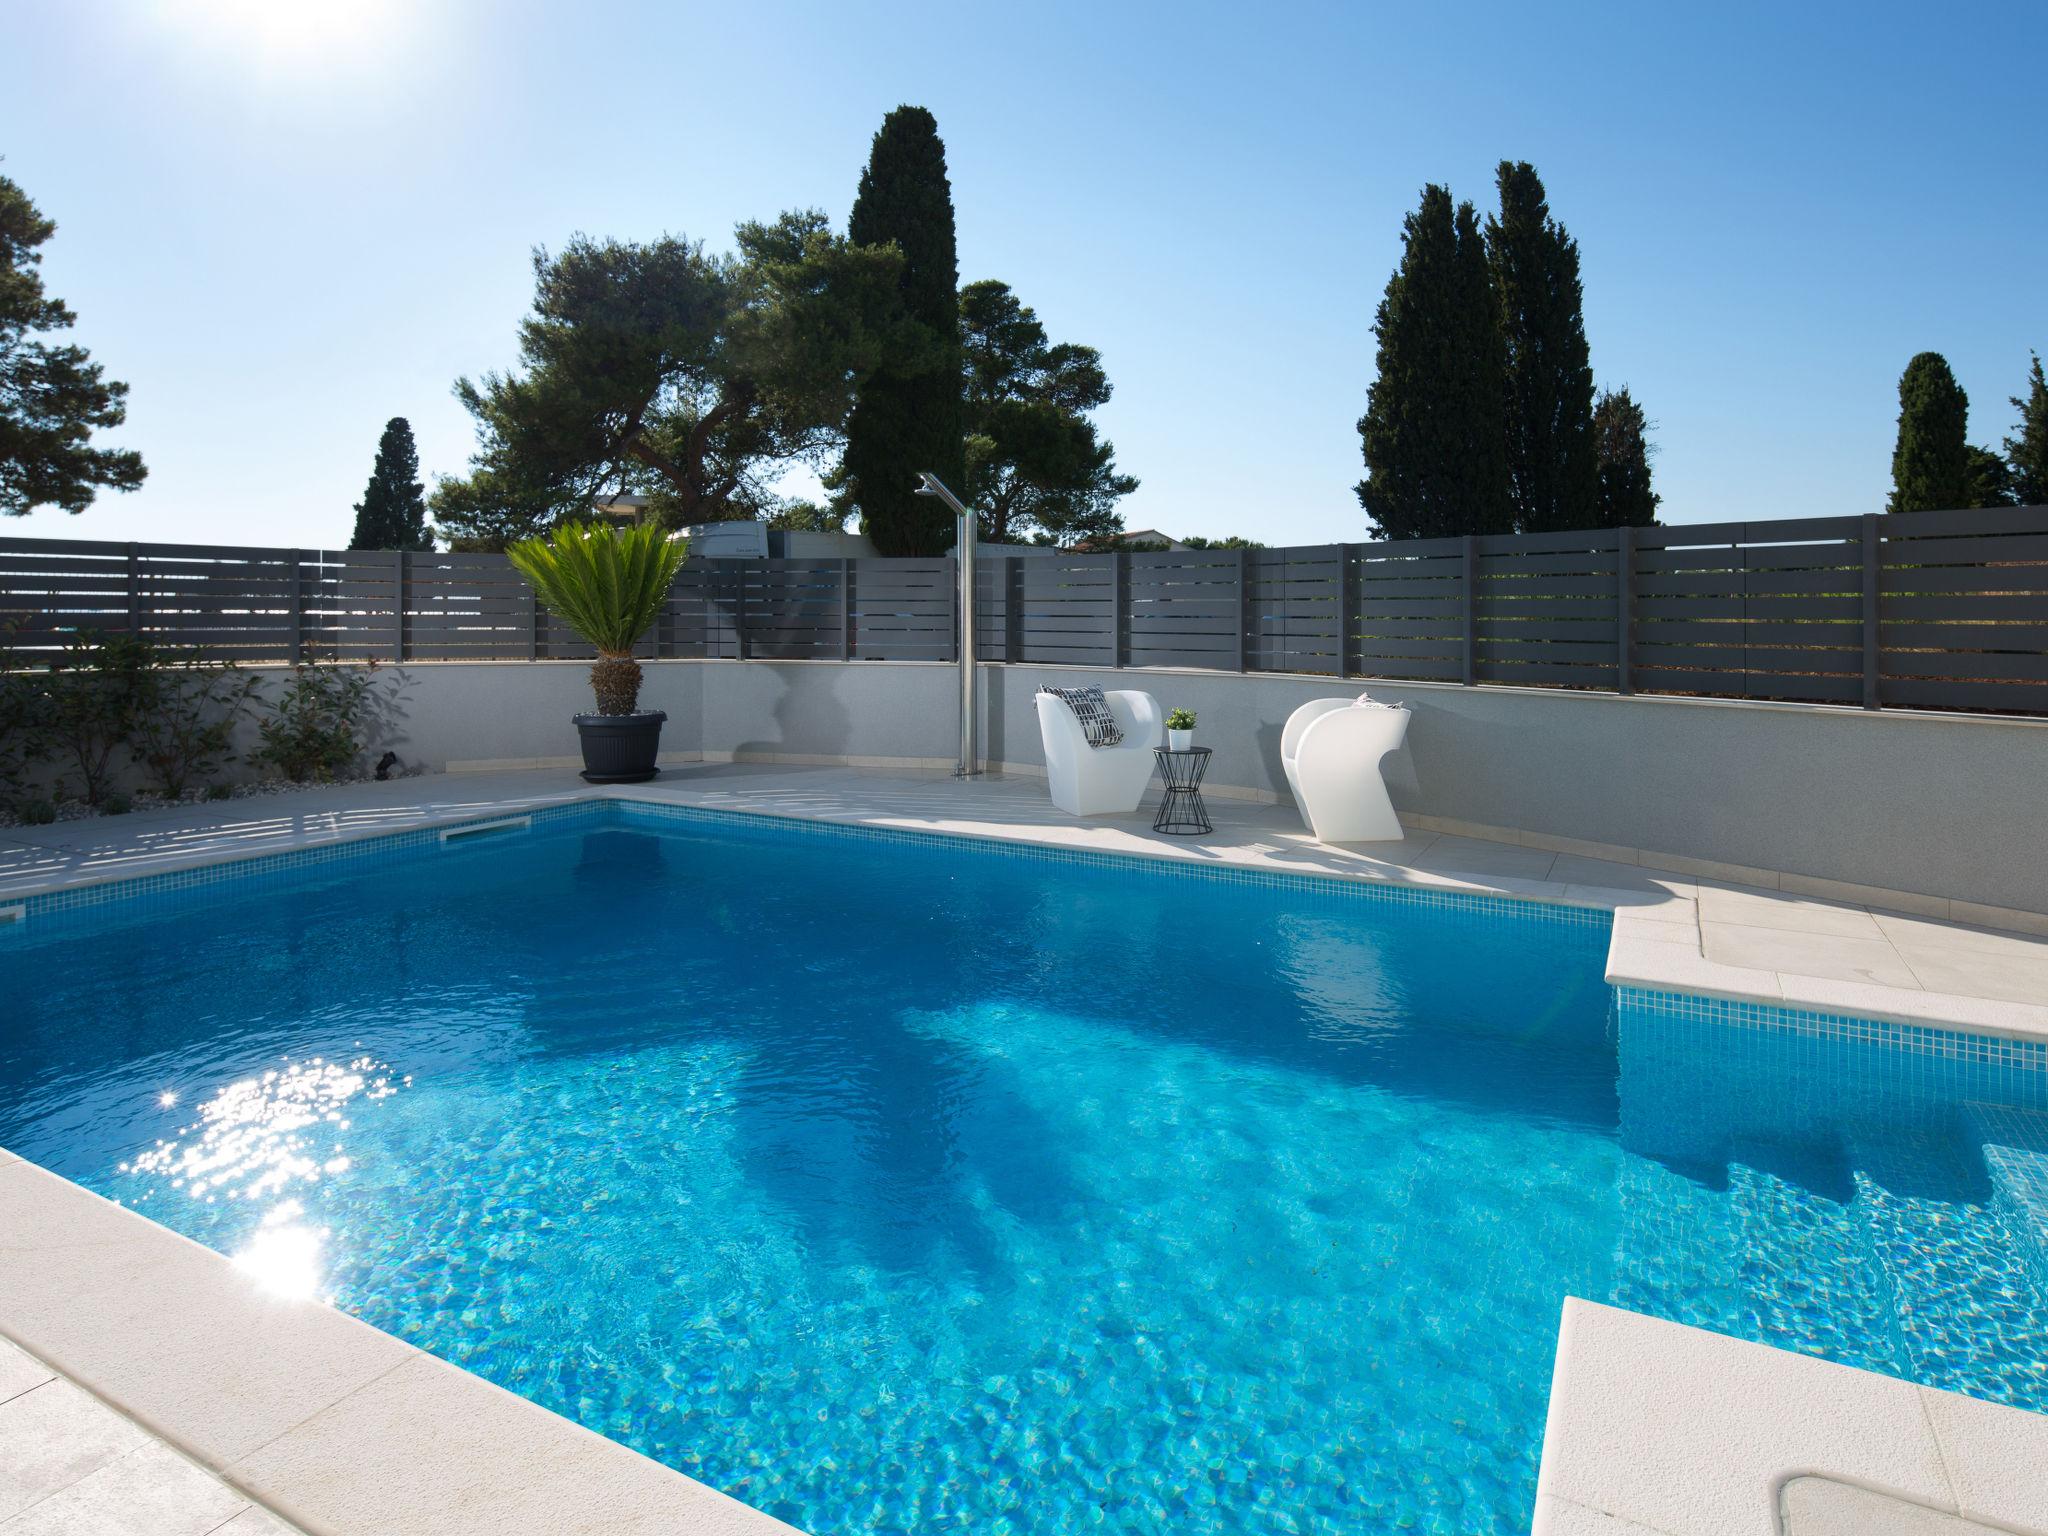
[(889, 1187)]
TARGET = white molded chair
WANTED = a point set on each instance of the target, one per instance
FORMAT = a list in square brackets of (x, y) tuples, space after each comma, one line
[(1331, 751), (1100, 781)]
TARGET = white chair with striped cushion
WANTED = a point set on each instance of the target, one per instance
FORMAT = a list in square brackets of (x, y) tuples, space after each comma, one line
[(1100, 781)]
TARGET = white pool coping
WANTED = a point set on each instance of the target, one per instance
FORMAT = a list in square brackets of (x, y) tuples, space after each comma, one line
[(1657, 1429), (291, 1401)]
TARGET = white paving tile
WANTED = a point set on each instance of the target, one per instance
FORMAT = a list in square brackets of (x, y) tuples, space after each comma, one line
[(1721, 903), (1932, 933), (1997, 1458), (454, 1456), (1820, 1506), (1829, 955), (2003, 975), (152, 1491), (173, 1332), (20, 1372), (50, 1437), (1691, 1432), (1561, 1517)]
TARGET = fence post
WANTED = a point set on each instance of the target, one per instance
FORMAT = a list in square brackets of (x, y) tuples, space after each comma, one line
[(1624, 608), (845, 609), (952, 567), (1013, 608), (398, 605), (1347, 608), (530, 612), (297, 649), (1870, 635), (739, 607), (134, 588), (1244, 605), (1470, 544), (1120, 606)]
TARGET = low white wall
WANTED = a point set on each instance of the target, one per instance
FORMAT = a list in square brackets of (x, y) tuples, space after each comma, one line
[(1941, 805)]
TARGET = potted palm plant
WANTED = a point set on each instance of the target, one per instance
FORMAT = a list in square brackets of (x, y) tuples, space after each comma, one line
[(608, 584)]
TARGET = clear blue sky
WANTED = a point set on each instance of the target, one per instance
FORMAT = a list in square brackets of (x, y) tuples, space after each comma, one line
[(284, 223)]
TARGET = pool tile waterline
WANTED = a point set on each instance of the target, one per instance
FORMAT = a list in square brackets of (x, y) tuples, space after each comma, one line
[(237, 876)]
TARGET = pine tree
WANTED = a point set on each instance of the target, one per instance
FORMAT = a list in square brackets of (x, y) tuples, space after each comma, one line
[(1931, 464), (1621, 438), (2028, 453), (909, 414), (1535, 264), (52, 398), (393, 511), (1434, 429), (1989, 479)]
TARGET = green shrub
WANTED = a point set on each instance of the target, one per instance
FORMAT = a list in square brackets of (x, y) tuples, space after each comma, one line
[(92, 698), (119, 803), (220, 791), (313, 728), (36, 813), (185, 721), (23, 700), (1181, 720)]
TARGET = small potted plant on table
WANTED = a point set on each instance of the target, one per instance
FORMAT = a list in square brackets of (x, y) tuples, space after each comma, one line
[(608, 584), (1180, 730)]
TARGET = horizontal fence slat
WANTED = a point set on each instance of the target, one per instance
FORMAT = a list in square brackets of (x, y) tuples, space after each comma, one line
[(1754, 609)]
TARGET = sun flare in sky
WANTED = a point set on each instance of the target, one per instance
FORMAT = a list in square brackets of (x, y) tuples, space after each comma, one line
[(299, 34)]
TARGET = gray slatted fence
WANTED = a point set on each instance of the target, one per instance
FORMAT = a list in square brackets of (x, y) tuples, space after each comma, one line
[(1943, 610)]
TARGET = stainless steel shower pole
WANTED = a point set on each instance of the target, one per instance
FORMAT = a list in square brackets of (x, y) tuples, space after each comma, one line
[(963, 553)]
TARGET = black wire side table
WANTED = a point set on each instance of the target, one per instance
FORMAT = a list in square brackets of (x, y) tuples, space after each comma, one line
[(1180, 809)]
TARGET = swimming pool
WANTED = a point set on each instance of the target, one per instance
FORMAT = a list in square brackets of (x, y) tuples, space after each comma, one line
[(895, 1183)]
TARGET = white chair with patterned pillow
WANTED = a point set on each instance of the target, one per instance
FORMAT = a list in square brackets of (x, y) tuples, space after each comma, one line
[(1091, 780)]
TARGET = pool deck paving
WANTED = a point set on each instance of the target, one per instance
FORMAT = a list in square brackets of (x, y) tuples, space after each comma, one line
[(157, 1387)]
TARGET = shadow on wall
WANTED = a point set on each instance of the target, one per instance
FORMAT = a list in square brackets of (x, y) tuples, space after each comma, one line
[(809, 716), (384, 714)]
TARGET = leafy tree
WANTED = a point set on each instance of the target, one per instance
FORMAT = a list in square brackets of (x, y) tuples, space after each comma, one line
[(1989, 479), (1235, 541), (1434, 431), (1621, 439), (52, 398), (1552, 460), (393, 511), (692, 378), (1931, 464), (2027, 453), (1035, 465), (909, 415)]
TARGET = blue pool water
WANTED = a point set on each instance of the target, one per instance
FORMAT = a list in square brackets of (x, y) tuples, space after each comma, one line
[(895, 1186)]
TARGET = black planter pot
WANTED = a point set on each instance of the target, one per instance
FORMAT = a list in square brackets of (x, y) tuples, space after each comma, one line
[(620, 749)]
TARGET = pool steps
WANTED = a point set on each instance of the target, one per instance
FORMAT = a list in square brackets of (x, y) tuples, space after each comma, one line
[(2015, 1143)]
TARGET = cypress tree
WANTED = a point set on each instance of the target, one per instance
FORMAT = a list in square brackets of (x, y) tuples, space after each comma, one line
[(1990, 479), (2028, 453), (1434, 429), (1551, 457), (1931, 464), (393, 511), (909, 415), (1621, 440)]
